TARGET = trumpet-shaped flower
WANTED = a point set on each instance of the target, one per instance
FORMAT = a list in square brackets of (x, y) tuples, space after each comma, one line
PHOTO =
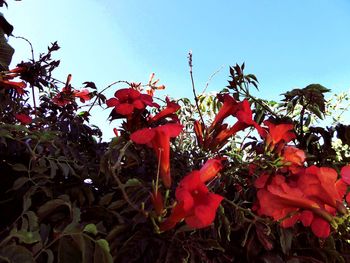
[(159, 139), (195, 203), (170, 109), (279, 133), (83, 95)]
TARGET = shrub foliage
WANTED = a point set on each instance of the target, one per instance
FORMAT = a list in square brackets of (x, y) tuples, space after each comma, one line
[(178, 183)]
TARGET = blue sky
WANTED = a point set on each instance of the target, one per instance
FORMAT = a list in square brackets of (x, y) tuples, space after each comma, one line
[(286, 44)]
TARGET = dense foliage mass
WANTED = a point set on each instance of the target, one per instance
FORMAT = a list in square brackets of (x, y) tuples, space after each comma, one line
[(229, 178)]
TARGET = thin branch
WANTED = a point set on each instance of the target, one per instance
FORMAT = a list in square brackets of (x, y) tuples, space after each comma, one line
[(30, 44), (193, 86), (116, 169), (210, 78)]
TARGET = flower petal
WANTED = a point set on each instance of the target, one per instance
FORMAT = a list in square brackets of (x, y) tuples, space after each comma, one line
[(320, 228), (143, 136)]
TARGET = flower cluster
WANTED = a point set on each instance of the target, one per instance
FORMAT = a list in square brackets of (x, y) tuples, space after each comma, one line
[(312, 195)]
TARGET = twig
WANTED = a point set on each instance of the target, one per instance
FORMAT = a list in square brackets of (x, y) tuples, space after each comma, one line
[(30, 44), (246, 210), (193, 87), (116, 169), (210, 78)]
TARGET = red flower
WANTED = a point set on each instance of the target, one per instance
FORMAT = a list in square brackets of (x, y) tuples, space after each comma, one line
[(292, 155), (321, 185), (211, 168), (23, 118), (128, 100), (293, 158), (316, 190), (159, 139), (279, 133), (18, 86), (198, 130), (288, 203), (66, 95), (229, 107), (243, 113), (84, 95), (171, 108), (195, 203)]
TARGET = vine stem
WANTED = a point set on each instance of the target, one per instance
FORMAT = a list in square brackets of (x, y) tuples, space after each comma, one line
[(33, 59), (245, 210), (30, 44), (116, 169), (193, 86)]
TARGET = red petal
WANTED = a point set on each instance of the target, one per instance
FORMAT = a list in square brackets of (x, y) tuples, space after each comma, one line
[(289, 222), (115, 132), (171, 129), (204, 215), (260, 182), (125, 94), (23, 118), (124, 109), (143, 136), (320, 228), (177, 214), (138, 104), (112, 102), (347, 198), (306, 217), (210, 169), (345, 174)]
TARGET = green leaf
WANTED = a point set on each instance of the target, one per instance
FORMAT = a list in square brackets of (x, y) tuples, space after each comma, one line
[(16, 254), (26, 237), (53, 168), (286, 238), (73, 227), (133, 182), (20, 182), (68, 251), (64, 168), (50, 256), (91, 228), (32, 220), (102, 253), (51, 206), (19, 167)]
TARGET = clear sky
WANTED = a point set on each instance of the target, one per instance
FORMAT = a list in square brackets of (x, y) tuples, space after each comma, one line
[(286, 44)]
